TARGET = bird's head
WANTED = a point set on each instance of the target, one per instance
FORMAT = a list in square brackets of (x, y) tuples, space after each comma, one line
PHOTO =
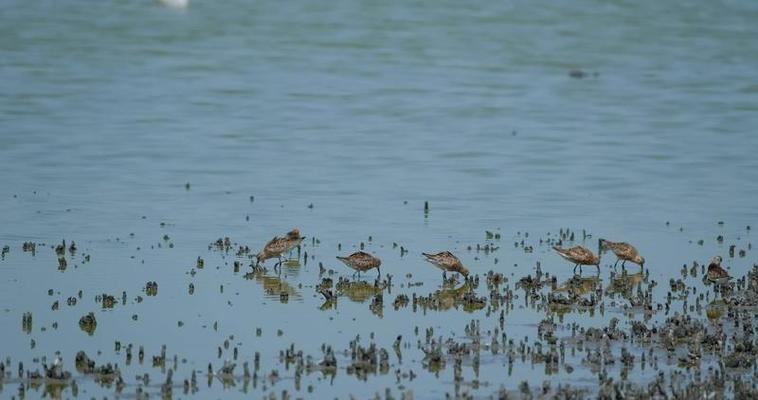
[(638, 259)]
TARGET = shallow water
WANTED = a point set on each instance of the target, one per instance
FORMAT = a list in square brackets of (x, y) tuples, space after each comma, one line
[(364, 111)]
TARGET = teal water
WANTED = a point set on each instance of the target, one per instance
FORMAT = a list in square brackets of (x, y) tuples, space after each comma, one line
[(364, 110)]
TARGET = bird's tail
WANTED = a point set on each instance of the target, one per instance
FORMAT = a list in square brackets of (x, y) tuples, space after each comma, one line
[(427, 255)]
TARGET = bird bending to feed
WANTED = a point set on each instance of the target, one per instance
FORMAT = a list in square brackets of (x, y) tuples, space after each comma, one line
[(447, 262), (279, 245), (579, 255), (361, 262), (716, 273), (624, 251)]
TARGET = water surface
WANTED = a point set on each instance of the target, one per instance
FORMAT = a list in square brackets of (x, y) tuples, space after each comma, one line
[(364, 110)]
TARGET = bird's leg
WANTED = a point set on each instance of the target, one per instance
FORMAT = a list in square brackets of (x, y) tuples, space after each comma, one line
[(622, 263), (444, 276), (575, 268), (598, 268), (616, 263)]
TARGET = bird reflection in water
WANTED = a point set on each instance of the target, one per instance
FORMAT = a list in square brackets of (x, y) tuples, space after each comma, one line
[(452, 297), (274, 287), (625, 284)]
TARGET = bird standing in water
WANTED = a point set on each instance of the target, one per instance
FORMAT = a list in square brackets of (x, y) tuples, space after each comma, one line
[(579, 256), (447, 262), (716, 273), (278, 246), (624, 251), (361, 262)]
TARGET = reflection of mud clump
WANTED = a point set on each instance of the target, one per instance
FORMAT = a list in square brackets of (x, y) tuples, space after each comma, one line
[(329, 362), (400, 301), (641, 333), (227, 370), (558, 300), (743, 356), (748, 297), (546, 328), (681, 329), (151, 288), (26, 322), (105, 374), (52, 374), (377, 305), (529, 283), (88, 323), (367, 360), (106, 300), (677, 285), (494, 280), (611, 332), (327, 365), (471, 302), (434, 359), (30, 247)]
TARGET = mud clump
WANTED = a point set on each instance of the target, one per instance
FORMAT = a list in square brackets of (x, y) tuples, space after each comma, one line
[(88, 323), (681, 329)]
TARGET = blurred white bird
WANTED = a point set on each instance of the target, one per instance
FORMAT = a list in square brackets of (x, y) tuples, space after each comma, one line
[(177, 4)]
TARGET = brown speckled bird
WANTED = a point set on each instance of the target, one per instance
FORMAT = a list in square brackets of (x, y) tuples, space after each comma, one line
[(716, 273), (279, 245), (624, 251), (361, 262), (580, 256), (447, 262)]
